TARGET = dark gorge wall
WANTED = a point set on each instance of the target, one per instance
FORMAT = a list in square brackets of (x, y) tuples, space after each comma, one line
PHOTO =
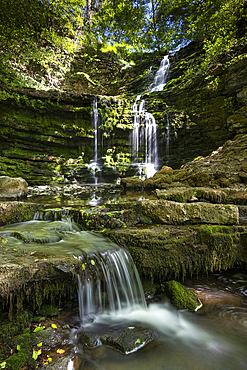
[(39, 130)]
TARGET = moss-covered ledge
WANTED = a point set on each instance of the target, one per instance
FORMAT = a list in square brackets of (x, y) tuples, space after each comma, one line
[(176, 252), (11, 212)]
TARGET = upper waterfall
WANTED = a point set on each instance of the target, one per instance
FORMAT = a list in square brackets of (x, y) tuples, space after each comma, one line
[(144, 136), (161, 75)]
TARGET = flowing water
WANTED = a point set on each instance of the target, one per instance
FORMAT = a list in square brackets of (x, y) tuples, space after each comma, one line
[(94, 164), (144, 136), (214, 337)]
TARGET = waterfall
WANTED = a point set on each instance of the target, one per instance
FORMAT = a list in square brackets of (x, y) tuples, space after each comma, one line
[(95, 126), (144, 136), (160, 76), (116, 288), (94, 164)]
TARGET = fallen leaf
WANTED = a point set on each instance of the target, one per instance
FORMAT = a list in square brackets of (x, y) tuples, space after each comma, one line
[(60, 351)]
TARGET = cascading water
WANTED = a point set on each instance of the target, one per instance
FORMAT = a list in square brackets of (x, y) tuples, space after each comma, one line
[(114, 299), (144, 137), (117, 287), (160, 76), (94, 164)]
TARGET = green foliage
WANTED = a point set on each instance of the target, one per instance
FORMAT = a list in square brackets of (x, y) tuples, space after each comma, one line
[(39, 39)]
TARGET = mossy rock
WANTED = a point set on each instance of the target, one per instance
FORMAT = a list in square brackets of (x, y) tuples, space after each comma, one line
[(48, 310), (13, 188), (181, 195), (181, 297), (238, 197), (197, 179), (210, 195), (131, 182)]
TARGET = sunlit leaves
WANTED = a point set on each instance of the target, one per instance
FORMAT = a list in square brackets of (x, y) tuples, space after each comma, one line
[(38, 328), (36, 354)]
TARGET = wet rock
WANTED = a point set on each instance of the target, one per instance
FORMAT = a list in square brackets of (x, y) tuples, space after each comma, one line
[(11, 212), (88, 339), (125, 339), (181, 297), (129, 339), (13, 188)]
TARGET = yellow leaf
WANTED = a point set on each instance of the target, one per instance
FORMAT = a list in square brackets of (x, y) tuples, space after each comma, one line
[(60, 351), (54, 326)]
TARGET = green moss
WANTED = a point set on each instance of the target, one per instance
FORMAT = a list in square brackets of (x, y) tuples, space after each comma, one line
[(9, 328), (48, 310), (181, 297), (197, 179), (176, 252)]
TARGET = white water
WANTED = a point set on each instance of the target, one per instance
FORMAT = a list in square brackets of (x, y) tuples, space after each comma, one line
[(95, 126), (144, 137), (160, 76), (121, 288), (94, 164)]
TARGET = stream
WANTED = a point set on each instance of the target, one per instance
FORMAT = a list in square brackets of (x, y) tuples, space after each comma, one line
[(214, 337)]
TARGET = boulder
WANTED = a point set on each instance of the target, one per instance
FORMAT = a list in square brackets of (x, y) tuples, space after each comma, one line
[(181, 297), (129, 339), (13, 188), (125, 339)]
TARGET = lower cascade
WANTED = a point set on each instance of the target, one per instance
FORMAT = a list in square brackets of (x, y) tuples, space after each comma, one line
[(112, 309), (115, 288)]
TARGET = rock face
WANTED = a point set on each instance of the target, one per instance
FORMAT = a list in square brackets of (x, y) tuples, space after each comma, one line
[(13, 188), (224, 168), (41, 131)]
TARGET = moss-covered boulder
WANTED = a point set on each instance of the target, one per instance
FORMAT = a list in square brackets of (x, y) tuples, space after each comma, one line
[(181, 297), (13, 188)]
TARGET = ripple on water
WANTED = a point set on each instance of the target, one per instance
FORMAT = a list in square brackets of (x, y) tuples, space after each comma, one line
[(234, 315)]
